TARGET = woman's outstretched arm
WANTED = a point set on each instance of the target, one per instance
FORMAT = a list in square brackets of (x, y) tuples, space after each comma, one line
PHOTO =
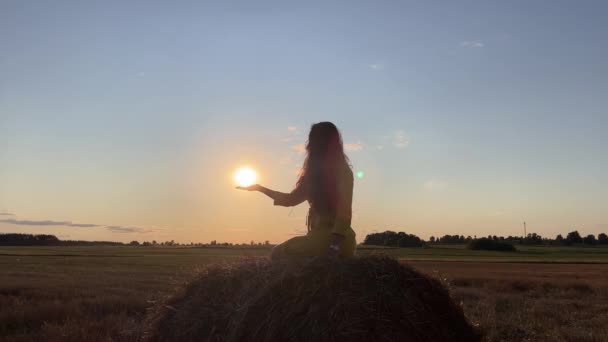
[(291, 199), (257, 187)]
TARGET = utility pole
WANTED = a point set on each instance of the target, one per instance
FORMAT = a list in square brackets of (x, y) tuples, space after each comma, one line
[(525, 233)]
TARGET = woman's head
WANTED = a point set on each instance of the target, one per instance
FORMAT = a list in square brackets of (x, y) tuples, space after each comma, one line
[(325, 140), (325, 159)]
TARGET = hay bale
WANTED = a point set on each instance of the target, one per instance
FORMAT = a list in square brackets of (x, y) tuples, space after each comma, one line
[(370, 298)]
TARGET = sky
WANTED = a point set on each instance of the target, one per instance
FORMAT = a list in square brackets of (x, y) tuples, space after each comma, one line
[(125, 120)]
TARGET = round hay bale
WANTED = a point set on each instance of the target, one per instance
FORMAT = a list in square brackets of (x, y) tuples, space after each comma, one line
[(372, 298)]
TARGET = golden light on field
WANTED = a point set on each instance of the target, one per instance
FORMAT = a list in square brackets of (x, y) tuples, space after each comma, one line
[(245, 176)]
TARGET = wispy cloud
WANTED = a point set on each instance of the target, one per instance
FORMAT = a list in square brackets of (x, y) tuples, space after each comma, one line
[(293, 133), (300, 148), (353, 147), (48, 223), (122, 229), (472, 44), (83, 225), (400, 140), (376, 66), (397, 139), (4, 213), (114, 229), (434, 185)]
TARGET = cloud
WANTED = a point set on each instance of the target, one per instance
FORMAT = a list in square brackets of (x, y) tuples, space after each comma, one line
[(434, 185), (397, 139), (376, 66), (400, 140), (122, 229), (292, 134), (353, 146), (114, 229), (472, 44), (48, 223), (4, 213), (83, 225), (300, 148)]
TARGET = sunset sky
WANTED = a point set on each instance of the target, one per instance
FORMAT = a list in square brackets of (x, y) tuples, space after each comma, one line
[(125, 120)]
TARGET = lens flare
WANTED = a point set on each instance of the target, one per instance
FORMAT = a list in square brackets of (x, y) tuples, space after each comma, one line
[(360, 174), (245, 176)]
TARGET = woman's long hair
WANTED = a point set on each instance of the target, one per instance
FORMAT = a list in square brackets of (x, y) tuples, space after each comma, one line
[(325, 162)]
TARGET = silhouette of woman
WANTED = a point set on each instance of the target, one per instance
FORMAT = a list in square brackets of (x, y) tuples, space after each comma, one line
[(326, 182)]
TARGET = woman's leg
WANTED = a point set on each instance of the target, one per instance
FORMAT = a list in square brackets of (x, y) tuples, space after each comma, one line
[(315, 243), (349, 244), (301, 246)]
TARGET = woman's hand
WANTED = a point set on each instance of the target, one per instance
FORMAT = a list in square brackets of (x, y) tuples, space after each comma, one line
[(254, 187)]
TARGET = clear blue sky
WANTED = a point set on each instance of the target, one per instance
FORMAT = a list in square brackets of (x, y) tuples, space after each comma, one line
[(125, 119)]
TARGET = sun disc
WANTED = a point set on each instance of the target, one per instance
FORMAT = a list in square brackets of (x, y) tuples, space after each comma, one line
[(245, 176)]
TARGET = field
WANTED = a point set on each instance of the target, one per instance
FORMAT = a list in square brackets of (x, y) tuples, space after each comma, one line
[(103, 293)]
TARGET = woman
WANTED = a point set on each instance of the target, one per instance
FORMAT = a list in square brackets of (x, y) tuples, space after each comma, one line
[(326, 182)]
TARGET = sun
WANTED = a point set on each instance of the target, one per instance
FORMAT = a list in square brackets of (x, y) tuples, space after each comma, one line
[(245, 176)]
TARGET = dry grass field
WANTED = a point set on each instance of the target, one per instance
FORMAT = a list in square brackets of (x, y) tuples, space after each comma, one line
[(103, 293), (530, 301)]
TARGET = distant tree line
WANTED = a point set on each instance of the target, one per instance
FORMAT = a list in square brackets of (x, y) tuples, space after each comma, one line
[(572, 238), (401, 239), (212, 244), (13, 239), (387, 238)]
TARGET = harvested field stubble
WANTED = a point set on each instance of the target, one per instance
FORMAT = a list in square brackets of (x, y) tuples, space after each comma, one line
[(371, 298)]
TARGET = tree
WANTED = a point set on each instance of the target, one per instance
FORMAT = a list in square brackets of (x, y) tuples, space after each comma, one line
[(134, 243), (589, 240), (432, 239), (451, 239), (533, 239), (559, 239), (573, 237), (393, 239), (602, 239), (14, 239)]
